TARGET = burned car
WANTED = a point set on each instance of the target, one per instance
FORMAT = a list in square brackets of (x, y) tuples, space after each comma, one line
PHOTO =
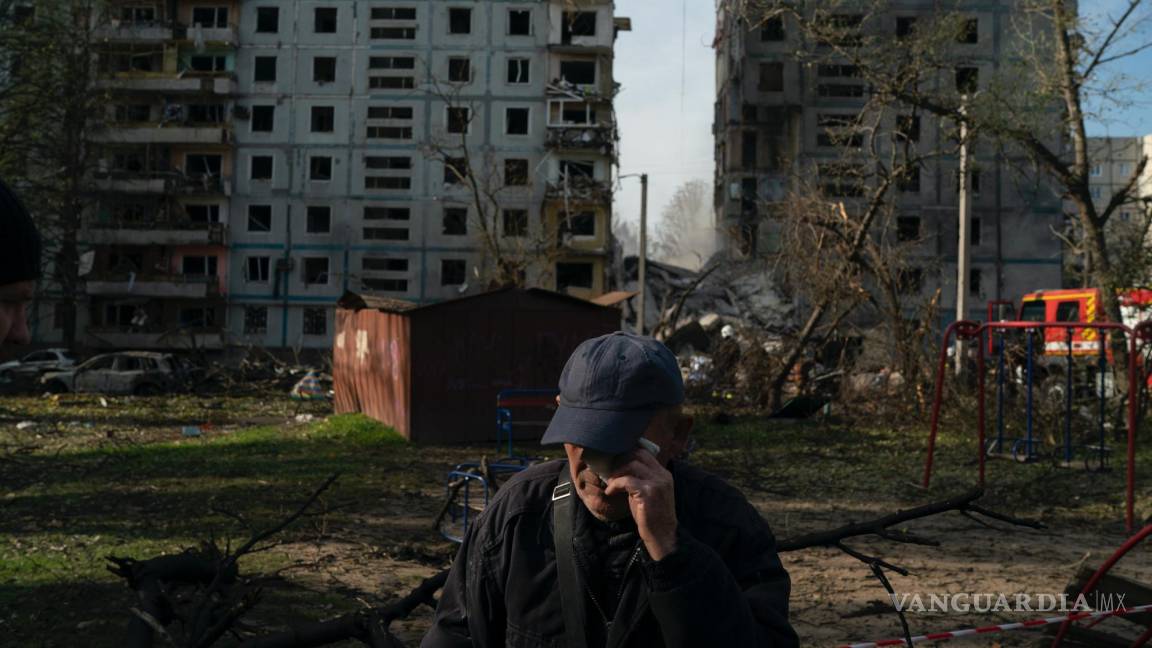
[(38, 362), (141, 373)]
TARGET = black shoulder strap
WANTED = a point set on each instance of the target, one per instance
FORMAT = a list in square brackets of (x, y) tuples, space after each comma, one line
[(571, 594)]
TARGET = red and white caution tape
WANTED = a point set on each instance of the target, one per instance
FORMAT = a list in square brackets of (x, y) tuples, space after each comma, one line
[(1003, 627)]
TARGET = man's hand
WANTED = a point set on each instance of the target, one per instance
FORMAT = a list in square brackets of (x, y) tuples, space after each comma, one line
[(652, 500)]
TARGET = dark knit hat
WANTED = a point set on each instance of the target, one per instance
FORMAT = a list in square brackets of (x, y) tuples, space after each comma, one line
[(19, 240)]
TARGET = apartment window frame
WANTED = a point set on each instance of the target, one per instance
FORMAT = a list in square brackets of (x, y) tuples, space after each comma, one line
[(514, 176), (459, 21), (459, 69), (526, 25), (460, 165), (318, 219), (321, 74), (770, 76), (254, 218), (322, 119), (455, 274), (262, 118), (314, 321), (258, 269), (908, 229), (458, 119), (582, 64), (256, 165), (454, 221), (522, 121), (514, 222), (316, 168), (325, 20), (772, 30), (518, 71), (261, 72), (311, 272), (266, 24), (218, 20), (566, 270), (255, 320)]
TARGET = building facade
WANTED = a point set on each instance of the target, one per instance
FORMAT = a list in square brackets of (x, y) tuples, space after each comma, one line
[(1114, 160), (776, 118), (264, 157)]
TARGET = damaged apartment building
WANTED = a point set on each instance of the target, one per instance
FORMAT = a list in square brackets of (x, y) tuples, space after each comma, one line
[(778, 117), (260, 158)]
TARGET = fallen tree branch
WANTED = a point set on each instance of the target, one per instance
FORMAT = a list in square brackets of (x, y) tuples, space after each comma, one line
[(880, 526), (368, 626)]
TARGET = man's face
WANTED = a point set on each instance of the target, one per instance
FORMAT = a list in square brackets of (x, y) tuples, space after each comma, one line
[(14, 301), (669, 429)]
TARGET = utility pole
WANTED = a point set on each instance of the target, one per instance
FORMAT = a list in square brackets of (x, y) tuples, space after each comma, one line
[(965, 217), (643, 256)]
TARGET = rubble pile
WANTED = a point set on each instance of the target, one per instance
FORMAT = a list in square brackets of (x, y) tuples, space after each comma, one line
[(734, 293)]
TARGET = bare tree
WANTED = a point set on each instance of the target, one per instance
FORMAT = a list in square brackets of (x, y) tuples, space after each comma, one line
[(1037, 103), (49, 101), (497, 193)]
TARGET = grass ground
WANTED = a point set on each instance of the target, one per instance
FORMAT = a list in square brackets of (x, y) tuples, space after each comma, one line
[(88, 478)]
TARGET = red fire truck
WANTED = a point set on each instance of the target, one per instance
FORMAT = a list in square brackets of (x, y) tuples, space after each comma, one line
[(1080, 305)]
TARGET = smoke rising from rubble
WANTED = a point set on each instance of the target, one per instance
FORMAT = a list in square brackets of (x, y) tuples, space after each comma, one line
[(685, 234)]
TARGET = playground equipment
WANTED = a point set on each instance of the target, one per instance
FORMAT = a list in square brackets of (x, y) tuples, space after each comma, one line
[(1025, 449), (515, 408)]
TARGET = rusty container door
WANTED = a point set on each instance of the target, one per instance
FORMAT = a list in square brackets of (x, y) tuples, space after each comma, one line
[(371, 364)]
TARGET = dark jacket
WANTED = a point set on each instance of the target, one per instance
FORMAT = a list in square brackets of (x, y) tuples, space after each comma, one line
[(723, 586)]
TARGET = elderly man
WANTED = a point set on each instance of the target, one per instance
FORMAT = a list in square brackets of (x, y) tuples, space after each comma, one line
[(19, 270), (620, 544)]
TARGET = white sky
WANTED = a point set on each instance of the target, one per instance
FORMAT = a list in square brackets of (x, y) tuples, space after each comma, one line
[(664, 132)]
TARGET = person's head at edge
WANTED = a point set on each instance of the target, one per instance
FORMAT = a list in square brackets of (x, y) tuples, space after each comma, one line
[(614, 390), (19, 269)]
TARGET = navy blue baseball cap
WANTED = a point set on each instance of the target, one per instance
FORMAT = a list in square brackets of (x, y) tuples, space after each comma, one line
[(610, 389)]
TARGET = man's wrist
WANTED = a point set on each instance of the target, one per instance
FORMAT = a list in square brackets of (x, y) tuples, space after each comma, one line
[(661, 548)]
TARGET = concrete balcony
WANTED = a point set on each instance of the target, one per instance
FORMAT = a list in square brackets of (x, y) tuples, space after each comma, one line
[(137, 134), (582, 138), (144, 182), (157, 233), (580, 189), (195, 34), (152, 340), (169, 83), (170, 286), (120, 32), (603, 90), (173, 181)]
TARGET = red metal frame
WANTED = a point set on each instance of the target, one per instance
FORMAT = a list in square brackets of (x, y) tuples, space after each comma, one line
[(967, 330), (1104, 569)]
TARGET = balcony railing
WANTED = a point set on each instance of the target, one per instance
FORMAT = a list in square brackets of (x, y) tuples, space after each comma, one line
[(160, 181), (219, 83), (162, 232), (602, 138), (152, 31), (155, 337), (152, 285), (579, 188), (135, 133)]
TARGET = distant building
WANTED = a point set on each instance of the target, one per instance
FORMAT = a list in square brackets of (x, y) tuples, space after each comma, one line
[(1114, 160), (772, 118), (266, 156)]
